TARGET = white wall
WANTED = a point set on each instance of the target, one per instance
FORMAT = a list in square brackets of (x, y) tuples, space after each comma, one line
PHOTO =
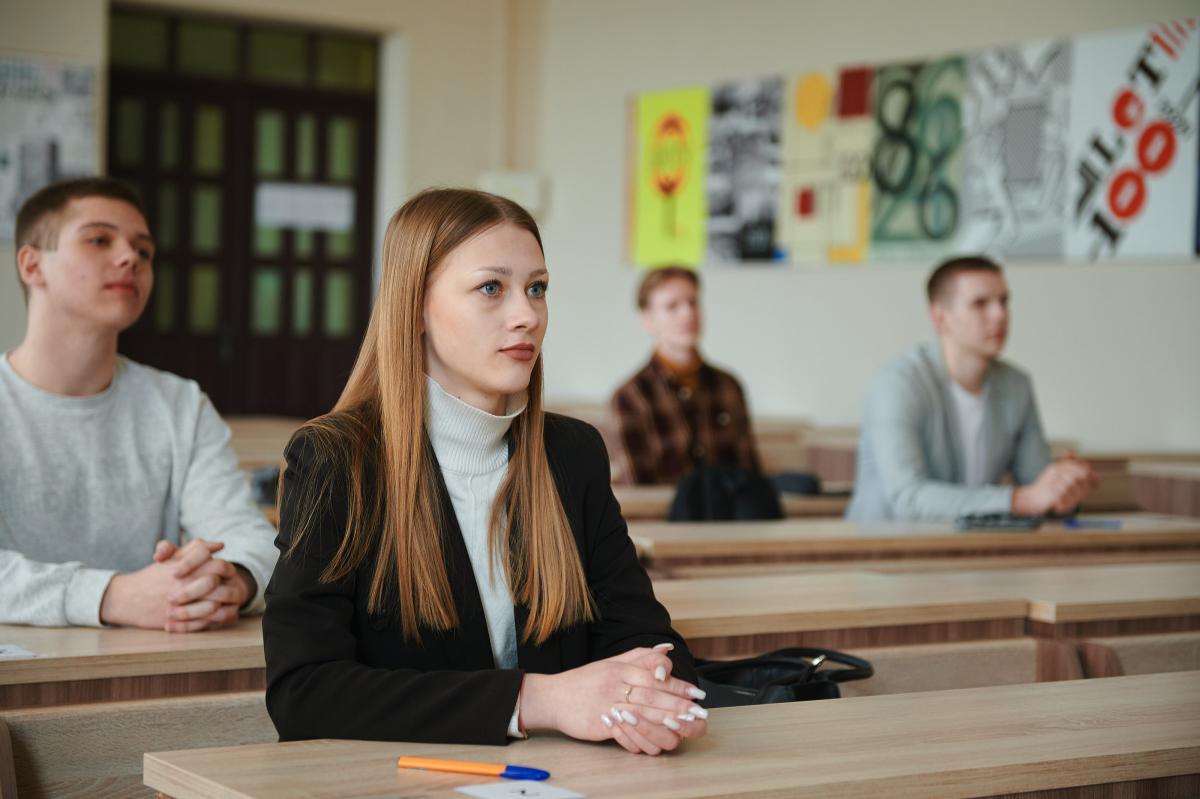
[(472, 85), (1114, 350)]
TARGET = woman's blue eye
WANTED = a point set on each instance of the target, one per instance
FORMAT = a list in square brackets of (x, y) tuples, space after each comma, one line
[(491, 288), (538, 290)]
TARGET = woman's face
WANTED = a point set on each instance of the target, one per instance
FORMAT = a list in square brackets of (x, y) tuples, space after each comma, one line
[(485, 316)]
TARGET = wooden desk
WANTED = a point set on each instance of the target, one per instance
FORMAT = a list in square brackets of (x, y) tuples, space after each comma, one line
[(740, 615), (260, 440), (652, 503), (806, 540), (971, 742), (84, 664), (1167, 486)]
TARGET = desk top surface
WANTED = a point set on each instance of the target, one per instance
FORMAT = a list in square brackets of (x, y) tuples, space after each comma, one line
[(817, 536), (1180, 470), (934, 744), (723, 606), (80, 653)]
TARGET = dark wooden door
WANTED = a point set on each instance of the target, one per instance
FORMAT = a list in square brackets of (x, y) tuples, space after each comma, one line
[(267, 318)]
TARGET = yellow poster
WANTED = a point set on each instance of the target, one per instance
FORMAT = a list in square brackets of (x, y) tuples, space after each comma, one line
[(672, 136)]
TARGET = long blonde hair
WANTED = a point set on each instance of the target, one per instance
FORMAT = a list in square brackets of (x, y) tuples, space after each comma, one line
[(377, 428)]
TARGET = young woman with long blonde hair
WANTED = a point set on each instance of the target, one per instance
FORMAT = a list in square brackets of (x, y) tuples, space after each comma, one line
[(454, 565)]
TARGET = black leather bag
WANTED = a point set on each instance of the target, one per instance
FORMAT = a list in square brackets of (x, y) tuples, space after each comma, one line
[(796, 674), (724, 493)]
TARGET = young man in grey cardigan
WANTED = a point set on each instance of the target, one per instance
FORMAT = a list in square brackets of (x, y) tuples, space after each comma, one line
[(106, 461), (946, 421)]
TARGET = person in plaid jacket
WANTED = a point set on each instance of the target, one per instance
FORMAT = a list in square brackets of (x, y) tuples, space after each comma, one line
[(677, 412)]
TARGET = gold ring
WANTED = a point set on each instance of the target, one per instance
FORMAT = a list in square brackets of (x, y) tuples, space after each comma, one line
[(628, 691)]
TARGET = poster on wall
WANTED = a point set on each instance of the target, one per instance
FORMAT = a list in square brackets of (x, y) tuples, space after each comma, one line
[(1132, 185), (669, 193), (917, 162), (743, 170), (47, 128), (824, 209), (1016, 113)]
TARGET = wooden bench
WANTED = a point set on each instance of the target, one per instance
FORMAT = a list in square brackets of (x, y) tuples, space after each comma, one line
[(1140, 654), (97, 749)]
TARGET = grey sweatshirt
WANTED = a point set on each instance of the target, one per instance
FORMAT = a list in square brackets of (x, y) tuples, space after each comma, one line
[(89, 485)]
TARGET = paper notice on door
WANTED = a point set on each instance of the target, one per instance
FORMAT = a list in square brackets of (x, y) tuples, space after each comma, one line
[(304, 206)]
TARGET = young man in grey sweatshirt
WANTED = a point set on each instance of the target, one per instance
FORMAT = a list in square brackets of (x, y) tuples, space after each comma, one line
[(105, 463), (946, 421)]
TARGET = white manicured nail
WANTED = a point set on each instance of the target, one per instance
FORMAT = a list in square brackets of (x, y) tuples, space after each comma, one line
[(616, 714), (607, 721), (660, 673), (629, 717), (686, 717), (698, 711), (667, 647), (670, 723), (696, 693)]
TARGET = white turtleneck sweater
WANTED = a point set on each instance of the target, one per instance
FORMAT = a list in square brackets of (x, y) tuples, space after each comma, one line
[(472, 451)]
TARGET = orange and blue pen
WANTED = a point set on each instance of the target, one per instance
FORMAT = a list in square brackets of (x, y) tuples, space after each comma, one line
[(482, 769)]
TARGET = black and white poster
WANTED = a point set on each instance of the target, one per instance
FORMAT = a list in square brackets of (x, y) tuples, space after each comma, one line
[(47, 128), (744, 171)]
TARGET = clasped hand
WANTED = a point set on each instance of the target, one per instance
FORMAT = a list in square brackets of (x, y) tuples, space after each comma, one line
[(184, 589), (631, 698)]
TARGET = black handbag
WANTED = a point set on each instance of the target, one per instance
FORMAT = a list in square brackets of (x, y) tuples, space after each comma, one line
[(785, 675)]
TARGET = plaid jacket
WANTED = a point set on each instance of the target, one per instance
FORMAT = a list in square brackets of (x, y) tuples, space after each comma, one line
[(665, 429)]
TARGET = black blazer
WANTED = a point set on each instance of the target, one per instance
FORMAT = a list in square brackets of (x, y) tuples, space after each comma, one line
[(336, 671)]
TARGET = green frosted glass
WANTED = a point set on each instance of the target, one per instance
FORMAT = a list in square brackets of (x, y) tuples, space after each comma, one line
[(302, 243), (168, 137), (345, 64), (209, 145), (206, 219), (267, 314), (339, 303), (339, 246), (207, 48), (137, 41), (306, 147), (204, 299), (130, 131), (164, 297), (268, 242), (302, 301), (268, 161), (278, 57), (168, 215), (343, 148)]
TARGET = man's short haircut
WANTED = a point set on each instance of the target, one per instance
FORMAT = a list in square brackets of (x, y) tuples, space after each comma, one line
[(657, 277), (941, 282), (40, 217)]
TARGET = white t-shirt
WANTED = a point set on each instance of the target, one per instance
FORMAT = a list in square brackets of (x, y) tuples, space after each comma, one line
[(971, 410)]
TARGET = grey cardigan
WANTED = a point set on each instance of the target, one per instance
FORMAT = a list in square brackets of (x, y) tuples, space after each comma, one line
[(908, 463)]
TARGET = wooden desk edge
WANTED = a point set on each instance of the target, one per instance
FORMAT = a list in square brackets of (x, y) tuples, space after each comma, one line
[(140, 664)]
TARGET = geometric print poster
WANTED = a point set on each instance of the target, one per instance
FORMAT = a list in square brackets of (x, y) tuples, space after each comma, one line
[(1015, 126)]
